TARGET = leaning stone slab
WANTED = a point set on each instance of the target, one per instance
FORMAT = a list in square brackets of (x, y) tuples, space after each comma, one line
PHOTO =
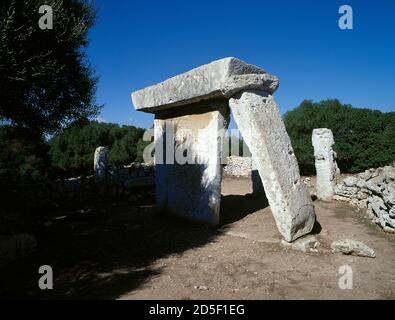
[(258, 118), (353, 247), (325, 162), (219, 79)]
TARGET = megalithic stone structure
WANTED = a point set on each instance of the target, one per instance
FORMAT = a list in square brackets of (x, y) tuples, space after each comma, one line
[(325, 162), (191, 116), (100, 164), (188, 152), (263, 130)]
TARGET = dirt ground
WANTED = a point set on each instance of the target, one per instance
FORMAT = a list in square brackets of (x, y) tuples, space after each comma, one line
[(129, 252)]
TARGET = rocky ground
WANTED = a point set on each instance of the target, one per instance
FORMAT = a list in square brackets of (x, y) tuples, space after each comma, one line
[(374, 191), (125, 251)]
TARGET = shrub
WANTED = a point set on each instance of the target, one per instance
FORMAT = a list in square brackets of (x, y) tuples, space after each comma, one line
[(72, 150), (364, 138)]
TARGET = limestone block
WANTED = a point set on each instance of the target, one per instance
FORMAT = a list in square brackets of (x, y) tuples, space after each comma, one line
[(100, 164), (263, 130), (237, 166), (325, 162), (354, 247), (217, 80), (304, 244), (391, 212), (188, 152), (389, 193)]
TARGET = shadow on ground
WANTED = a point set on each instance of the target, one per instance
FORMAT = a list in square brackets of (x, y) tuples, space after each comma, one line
[(110, 250), (236, 207)]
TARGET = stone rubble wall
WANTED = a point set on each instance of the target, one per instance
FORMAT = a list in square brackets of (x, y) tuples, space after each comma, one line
[(373, 190), (123, 181), (119, 181), (238, 166)]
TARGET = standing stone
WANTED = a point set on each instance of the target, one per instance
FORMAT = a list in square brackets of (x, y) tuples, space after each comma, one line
[(198, 100), (188, 152), (259, 120), (325, 162), (100, 164)]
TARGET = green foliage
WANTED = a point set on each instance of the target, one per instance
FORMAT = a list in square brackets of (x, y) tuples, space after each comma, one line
[(364, 138), (22, 157), (73, 149), (45, 79)]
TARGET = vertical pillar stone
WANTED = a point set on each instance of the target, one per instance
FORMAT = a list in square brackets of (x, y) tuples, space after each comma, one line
[(195, 105), (325, 162), (100, 164), (188, 153), (259, 120)]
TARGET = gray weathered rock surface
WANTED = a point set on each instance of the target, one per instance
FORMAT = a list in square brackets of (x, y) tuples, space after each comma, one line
[(354, 247), (373, 190), (218, 79), (238, 166), (190, 187), (303, 244), (325, 162), (263, 130)]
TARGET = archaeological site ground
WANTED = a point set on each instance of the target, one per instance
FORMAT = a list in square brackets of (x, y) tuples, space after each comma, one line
[(190, 152)]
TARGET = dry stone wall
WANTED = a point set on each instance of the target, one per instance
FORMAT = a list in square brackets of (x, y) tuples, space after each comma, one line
[(373, 190), (238, 166), (118, 181)]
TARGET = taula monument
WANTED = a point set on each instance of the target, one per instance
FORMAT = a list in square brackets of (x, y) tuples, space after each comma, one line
[(192, 114)]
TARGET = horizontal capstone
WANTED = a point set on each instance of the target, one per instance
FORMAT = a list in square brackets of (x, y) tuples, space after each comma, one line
[(218, 79)]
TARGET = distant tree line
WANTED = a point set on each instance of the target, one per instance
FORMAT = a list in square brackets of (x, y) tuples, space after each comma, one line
[(68, 153), (364, 138), (73, 149)]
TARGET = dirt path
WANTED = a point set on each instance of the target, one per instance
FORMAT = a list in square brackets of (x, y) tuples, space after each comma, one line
[(130, 253), (247, 262)]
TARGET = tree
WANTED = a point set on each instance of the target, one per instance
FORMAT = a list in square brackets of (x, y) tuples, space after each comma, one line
[(72, 150), (45, 79), (21, 158), (364, 138)]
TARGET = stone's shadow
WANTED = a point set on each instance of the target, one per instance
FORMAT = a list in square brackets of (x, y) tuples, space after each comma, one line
[(103, 254), (112, 249), (236, 207), (316, 228)]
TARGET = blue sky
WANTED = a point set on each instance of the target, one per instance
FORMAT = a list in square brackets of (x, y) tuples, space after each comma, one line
[(139, 43)]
